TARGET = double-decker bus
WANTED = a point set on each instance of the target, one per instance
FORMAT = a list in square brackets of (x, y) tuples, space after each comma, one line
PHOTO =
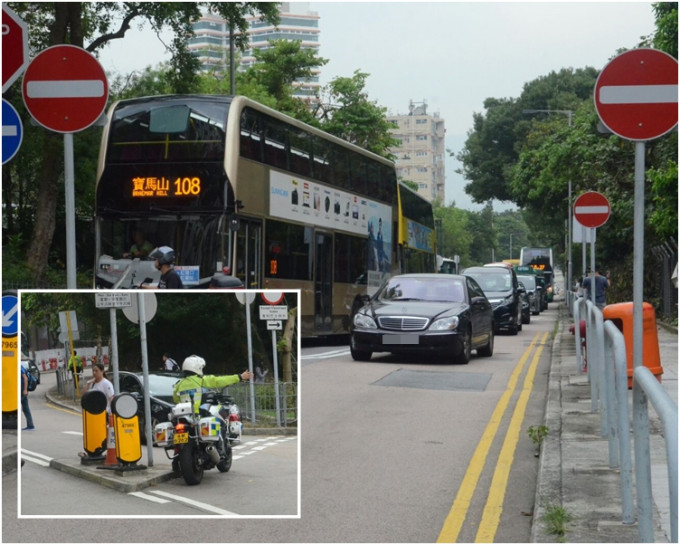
[(232, 185), (539, 259), (416, 236)]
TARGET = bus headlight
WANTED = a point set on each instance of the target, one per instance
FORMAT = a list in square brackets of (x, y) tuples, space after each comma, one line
[(364, 321)]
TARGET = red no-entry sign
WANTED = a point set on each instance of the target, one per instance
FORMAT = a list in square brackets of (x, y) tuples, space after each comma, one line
[(14, 47), (636, 94), (592, 209), (65, 89)]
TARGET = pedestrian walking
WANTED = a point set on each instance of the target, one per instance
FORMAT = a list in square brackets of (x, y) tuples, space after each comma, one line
[(24, 400)]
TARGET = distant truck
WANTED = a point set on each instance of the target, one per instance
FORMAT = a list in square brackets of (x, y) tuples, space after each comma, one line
[(446, 265), (541, 260)]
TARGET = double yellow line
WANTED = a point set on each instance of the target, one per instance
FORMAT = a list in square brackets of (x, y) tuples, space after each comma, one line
[(494, 503)]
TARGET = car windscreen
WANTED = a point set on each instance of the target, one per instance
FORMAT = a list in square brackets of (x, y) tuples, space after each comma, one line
[(422, 289), (161, 386), (492, 281), (528, 281)]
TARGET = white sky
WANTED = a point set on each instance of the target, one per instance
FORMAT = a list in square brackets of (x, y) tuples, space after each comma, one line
[(452, 55)]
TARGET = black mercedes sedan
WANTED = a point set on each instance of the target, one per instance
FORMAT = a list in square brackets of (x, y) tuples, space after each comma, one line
[(442, 315)]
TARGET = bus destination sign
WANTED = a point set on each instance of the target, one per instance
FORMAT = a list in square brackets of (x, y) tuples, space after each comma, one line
[(153, 186)]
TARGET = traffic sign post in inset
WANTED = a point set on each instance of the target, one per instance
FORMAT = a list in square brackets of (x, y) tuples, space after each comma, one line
[(592, 209), (636, 94), (12, 131), (14, 47), (65, 89)]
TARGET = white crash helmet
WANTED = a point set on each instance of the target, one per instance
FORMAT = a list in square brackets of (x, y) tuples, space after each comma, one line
[(195, 364)]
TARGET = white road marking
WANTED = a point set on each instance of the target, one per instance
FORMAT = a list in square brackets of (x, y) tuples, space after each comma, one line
[(194, 503), (73, 433), (327, 355), (36, 457), (148, 497)]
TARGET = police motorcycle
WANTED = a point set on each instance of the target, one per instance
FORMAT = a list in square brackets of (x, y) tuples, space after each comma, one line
[(199, 441)]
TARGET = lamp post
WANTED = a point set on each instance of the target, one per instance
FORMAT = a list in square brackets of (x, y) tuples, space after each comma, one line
[(569, 114)]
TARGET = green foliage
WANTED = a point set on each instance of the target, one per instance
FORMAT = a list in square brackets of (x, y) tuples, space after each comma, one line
[(537, 434), (210, 325), (556, 518), (666, 36), (347, 113), (664, 196)]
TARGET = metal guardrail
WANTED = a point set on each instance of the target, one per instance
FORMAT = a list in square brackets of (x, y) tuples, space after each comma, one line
[(646, 386), (608, 376)]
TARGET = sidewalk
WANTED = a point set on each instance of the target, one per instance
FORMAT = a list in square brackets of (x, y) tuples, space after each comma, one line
[(574, 468)]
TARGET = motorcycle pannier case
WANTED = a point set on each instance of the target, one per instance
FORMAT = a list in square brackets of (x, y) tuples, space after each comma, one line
[(210, 428), (181, 409), (163, 434)]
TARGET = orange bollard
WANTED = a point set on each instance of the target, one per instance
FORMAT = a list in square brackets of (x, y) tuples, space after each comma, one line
[(622, 316), (111, 458)]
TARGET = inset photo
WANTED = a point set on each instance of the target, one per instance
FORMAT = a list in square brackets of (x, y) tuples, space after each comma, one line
[(158, 404)]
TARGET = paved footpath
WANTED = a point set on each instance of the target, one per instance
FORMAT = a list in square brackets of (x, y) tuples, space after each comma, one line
[(574, 468)]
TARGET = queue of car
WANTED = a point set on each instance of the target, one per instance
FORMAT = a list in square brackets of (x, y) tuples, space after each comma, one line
[(445, 316)]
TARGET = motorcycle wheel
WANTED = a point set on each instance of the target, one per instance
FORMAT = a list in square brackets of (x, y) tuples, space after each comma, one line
[(192, 471), (225, 465)]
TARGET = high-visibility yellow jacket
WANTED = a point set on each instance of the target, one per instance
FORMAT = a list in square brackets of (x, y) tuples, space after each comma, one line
[(194, 385)]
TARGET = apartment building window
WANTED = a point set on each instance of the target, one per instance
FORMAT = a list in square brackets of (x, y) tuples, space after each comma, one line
[(421, 137)]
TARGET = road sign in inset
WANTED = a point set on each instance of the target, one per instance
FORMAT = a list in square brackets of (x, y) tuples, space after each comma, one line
[(65, 89), (12, 131), (636, 94), (272, 297), (592, 209), (10, 315), (14, 47), (274, 312)]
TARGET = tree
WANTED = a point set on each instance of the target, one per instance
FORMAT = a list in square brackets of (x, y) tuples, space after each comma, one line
[(494, 143), (100, 23), (455, 237), (346, 112), (278, 67)]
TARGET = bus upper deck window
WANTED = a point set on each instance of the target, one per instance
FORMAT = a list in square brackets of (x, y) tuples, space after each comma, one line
[(169, 119)]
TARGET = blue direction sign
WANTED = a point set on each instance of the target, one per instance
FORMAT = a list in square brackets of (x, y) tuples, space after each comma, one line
[(12, 132), (10, 315)]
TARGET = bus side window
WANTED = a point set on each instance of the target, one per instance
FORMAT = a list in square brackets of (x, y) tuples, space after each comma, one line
[(275, 145)]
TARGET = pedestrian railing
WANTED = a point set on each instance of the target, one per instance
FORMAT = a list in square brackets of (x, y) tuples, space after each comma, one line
[(267, 411), (608, 376), (646, 386)]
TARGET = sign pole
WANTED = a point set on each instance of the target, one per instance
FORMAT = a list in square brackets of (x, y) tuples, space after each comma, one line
[(592, 265), (276, 379), (70, 203), (114, 349), (250, 361), (145, 368)]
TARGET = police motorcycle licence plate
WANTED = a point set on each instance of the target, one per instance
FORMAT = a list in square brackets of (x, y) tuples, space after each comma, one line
[(180, 438)]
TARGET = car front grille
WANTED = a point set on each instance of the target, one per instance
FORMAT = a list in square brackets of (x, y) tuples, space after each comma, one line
[(402, 323)]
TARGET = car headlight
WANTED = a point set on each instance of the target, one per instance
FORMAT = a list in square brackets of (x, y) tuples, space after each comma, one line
[(445, 324), (365, 321), (508, 300)]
